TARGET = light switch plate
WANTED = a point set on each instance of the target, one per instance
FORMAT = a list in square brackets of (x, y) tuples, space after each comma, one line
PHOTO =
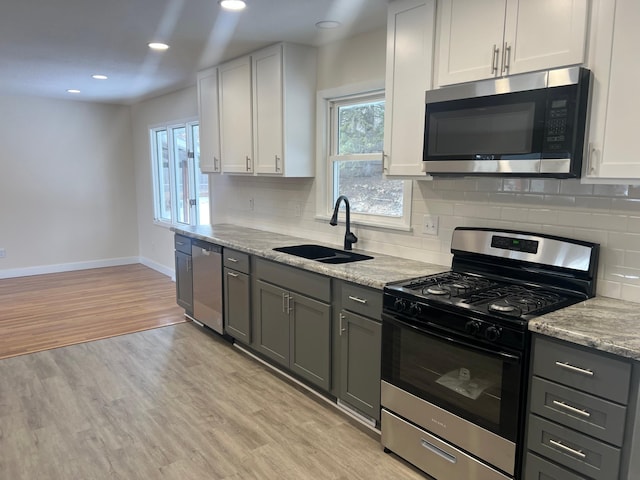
[(430, 224)]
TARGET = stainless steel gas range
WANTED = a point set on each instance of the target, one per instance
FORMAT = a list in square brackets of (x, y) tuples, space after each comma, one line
[(455, 349)]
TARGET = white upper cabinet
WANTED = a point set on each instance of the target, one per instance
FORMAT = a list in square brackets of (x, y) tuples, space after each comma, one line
[(209, 121), (614, 60), (236, 125), (410, 34), (492, 38), (284, 89)]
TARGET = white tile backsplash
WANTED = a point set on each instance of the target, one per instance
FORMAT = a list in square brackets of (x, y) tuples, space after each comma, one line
[(606, 214)]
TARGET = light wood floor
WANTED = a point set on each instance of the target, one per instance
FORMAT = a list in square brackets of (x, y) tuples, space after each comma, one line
[(172, 403), (48, 311)]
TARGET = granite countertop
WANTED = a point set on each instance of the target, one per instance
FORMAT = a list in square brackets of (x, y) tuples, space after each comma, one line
[(603, 323), (375, 273)]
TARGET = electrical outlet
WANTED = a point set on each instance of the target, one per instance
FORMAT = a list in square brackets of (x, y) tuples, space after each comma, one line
[(3, 253), (430, 225), (251, 204)]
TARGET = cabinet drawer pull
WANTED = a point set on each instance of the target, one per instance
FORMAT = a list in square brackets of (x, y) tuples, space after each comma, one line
[(438, 451), (180, 243), (232, 275), (575, 369), (578, 411), (561, 446), (232, 260), (358, 299)]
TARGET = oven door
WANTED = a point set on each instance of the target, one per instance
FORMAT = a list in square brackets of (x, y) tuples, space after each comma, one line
[(457, 374)]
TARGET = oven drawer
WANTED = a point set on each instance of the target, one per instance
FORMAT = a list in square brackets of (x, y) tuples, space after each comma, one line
[(362, 300), (572, 449), (585, 370), (583, 412), (429, 453), (537, 468)]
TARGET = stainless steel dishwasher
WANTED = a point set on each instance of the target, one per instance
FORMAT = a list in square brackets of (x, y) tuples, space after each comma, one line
[(207, 284)]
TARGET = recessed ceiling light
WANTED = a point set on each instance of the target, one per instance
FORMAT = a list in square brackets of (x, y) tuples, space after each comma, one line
[(98, 76), (327, 24), (158, 46), (73, 90), (235, 5)]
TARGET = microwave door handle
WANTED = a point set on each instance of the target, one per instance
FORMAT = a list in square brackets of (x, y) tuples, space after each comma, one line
[(494, 353)]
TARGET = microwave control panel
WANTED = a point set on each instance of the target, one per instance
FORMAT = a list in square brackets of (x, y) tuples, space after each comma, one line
[(558, 124)]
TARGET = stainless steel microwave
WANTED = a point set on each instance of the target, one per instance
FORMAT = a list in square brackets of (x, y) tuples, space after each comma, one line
[(529, 125)]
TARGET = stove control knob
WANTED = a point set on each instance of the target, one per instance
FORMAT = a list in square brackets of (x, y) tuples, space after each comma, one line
[(400, 305), (472, 327), (415, 309), (492, 333)]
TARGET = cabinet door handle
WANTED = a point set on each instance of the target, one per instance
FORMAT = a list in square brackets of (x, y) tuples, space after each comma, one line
[(232, 260), (572, 451), (188, 264), (277, 162), (592, 160), (284, 302), (290, 303), (494, 59), (384, 164), (216, 168), (232, 274), (342, 329), (506, 58), (248, 164), (358, 299), (575, 369), (572, 409)]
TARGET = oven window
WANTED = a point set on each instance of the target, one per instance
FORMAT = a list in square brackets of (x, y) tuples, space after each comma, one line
[(481, 387)]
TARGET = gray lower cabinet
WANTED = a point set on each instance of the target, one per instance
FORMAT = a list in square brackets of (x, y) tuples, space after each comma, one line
[(184, 273), (577, 412), (292, 318), (237, 295), (357, 353)]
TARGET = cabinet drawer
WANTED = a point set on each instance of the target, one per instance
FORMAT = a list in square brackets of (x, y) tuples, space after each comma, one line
[(537, 468), (583, 412), (308, 283), (572, 449), (362, 300), (586, 370), (236, 260), (182, 243)]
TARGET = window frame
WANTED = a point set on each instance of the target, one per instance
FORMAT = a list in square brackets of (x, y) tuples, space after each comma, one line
[(326, 146), (193, 166)]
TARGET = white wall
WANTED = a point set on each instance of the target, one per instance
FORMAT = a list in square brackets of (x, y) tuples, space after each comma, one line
[(155, 241), (67, 194), (609, 215)]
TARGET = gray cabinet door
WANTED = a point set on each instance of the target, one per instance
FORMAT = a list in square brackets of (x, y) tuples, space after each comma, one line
[(360, 344), (184, 281), (310, 339), (272, 335), (237, 311)]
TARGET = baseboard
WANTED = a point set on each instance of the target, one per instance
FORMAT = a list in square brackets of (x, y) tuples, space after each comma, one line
[(169, 272), (67, 267)]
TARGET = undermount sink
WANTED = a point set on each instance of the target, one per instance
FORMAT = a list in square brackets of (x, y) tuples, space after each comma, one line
[(323, 254)]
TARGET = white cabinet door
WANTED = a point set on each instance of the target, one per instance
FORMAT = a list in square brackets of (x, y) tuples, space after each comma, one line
[(267, 110), (235, 116), (615, 63), (470, 40), (544, 34), (410, 31), (484, 39), (209, 121)]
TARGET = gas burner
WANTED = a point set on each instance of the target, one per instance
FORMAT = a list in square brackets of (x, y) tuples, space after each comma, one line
[(436, 290), (502, 308)]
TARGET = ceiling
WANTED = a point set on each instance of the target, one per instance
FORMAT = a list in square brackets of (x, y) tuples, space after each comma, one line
[(47, 47)]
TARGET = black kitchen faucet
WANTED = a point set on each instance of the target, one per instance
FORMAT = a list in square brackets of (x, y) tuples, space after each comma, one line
[(349, 237)]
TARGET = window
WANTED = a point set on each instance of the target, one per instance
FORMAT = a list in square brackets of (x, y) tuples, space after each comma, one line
[(353, 149), (181, 191)]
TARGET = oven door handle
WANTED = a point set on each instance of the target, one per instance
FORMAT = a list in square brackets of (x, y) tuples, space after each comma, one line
[(494, 353)]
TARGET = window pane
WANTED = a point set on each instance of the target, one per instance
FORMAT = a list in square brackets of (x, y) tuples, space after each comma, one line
[(360, 128), (164, 185), (181, 174), (368, 191), (202, 180)]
